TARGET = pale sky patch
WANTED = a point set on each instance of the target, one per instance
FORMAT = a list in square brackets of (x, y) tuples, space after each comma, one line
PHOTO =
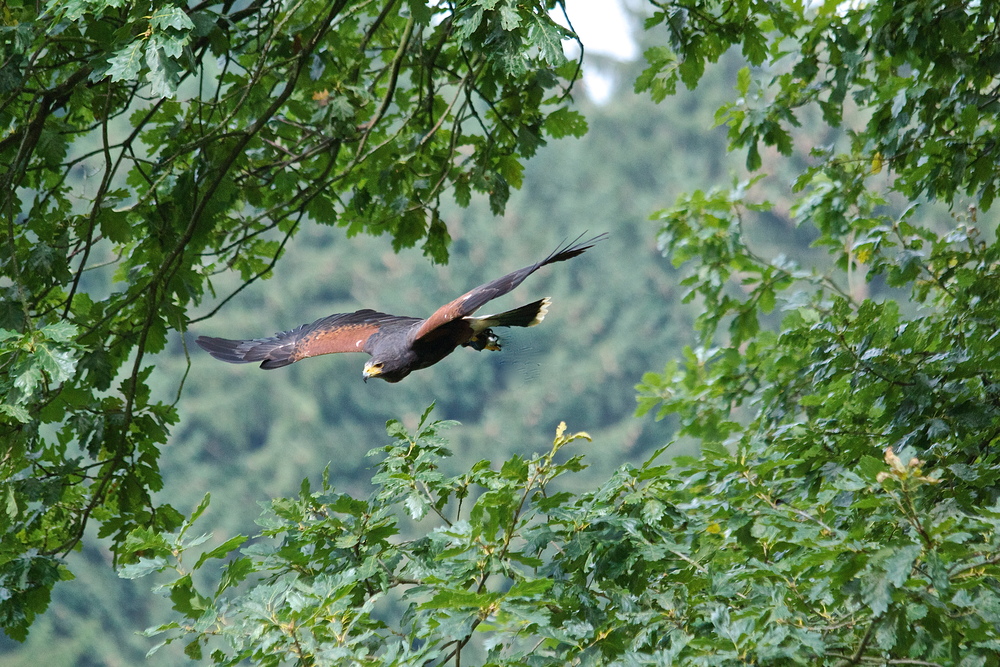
[(604, 29)]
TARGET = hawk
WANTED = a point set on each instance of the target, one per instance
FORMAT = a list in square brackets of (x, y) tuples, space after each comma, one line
[(399, 345)]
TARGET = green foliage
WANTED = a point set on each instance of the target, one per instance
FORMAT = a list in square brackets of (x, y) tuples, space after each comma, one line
[(922, 73), (326, 567), (713, 561), (844, 508), (883, 554), (806, 374), (247, 435), (148, 148)]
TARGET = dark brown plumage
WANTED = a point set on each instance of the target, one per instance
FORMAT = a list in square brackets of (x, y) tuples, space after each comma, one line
[(398, 345)]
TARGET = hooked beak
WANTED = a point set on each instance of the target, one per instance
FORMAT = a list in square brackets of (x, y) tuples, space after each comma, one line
[(370, 372)]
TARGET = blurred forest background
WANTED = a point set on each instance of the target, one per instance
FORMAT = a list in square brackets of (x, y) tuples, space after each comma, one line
[(247, 435)]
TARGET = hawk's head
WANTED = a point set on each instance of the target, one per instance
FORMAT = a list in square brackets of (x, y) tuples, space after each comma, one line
[(384, 370)]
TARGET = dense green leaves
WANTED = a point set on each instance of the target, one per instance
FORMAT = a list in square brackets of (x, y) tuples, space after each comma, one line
[(328, 567), (843, 508), (846, 406), (713, 561), (922, 73), (146, 148)]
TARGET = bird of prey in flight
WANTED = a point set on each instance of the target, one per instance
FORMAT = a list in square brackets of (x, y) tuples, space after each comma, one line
[(399, 345)]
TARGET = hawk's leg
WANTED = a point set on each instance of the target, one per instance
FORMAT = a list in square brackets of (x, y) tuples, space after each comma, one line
[(484, 340)]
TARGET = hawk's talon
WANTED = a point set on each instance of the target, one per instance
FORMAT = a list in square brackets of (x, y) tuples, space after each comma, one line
[(484, 340)]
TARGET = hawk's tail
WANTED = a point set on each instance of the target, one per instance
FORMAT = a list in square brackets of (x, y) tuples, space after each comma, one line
[(525, 316)]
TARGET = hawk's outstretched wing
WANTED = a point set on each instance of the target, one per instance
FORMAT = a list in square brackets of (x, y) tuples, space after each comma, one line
[(343, 332), (469, 302)]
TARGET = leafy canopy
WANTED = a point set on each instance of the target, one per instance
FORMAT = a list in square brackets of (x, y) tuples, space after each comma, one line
[(147, 147), (845, 507), (713, 561)]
